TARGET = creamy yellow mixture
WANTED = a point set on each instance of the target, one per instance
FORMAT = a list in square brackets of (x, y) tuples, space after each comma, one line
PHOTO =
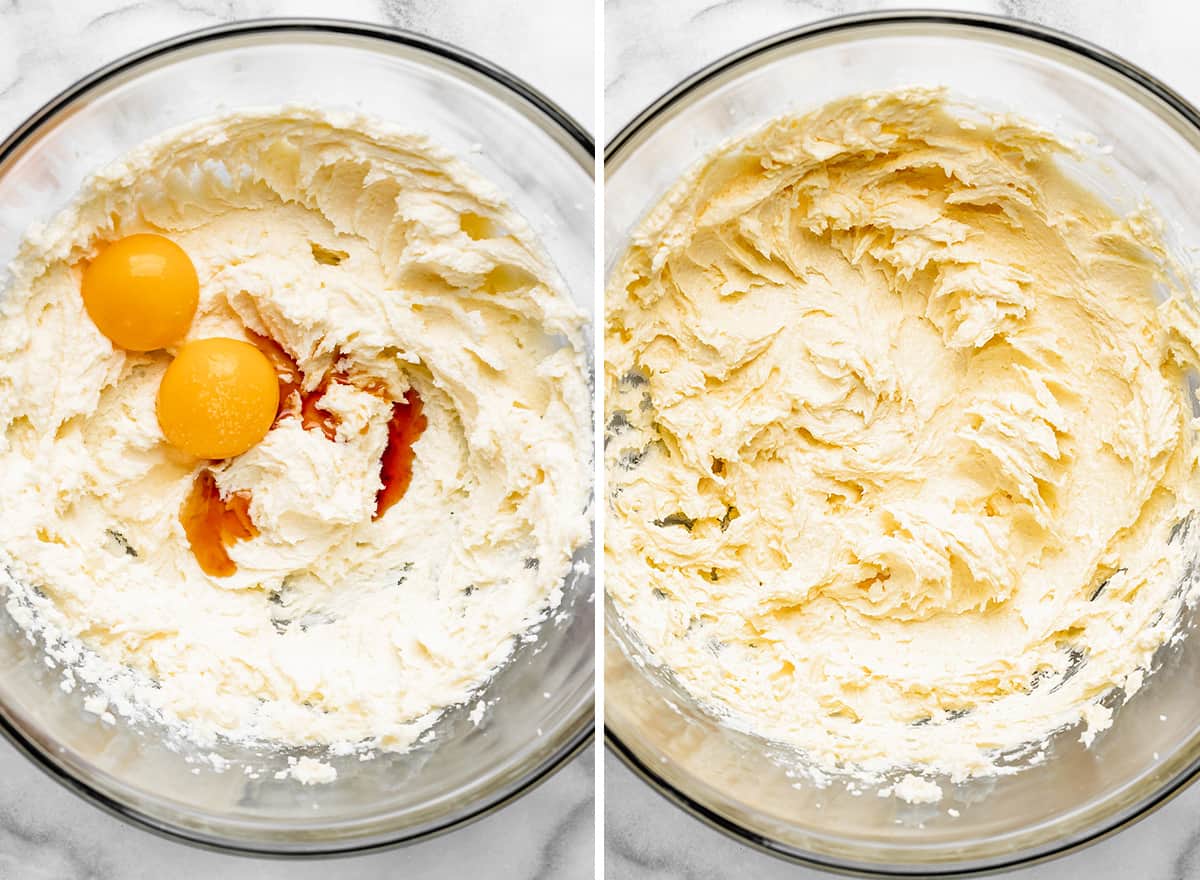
[(356, 247), (897, 436)]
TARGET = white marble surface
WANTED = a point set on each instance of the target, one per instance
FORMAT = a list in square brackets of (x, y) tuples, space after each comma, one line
[(47, 833), (648, 48), (647, 838), (47, 44)]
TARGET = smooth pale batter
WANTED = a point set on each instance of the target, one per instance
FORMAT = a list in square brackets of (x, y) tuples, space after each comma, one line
[(897, 437), (354, 246)]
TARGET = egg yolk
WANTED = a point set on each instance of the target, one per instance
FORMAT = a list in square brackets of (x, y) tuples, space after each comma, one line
[(141, 292), (217, 398)]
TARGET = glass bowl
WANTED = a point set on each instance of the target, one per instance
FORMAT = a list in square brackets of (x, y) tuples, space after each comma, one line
[(540, 704), (1144, 144)]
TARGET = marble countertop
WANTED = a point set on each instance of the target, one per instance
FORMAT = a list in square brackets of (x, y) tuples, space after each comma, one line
[(47, 833), (648, 48), (646, 838)]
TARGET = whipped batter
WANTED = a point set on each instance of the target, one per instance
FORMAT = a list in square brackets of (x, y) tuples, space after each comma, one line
[(356, 247), (898, 437)]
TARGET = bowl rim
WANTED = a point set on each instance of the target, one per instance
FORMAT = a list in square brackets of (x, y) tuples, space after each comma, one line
[(629, 137), (581, 728)]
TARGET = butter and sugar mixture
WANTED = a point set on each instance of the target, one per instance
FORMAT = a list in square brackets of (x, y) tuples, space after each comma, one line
[(412, 511), (899, 440)]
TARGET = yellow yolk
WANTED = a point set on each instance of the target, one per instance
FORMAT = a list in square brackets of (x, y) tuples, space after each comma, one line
[(217, 398), (141, 291)]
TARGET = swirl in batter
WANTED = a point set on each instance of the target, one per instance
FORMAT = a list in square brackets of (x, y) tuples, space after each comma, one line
[(360, 251), (897, 437)]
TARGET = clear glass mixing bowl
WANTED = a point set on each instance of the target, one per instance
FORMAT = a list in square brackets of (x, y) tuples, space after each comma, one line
[(541, 703), (1146, 146)]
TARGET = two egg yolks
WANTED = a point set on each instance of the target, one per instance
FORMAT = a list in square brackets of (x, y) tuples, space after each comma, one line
[(218, 398)]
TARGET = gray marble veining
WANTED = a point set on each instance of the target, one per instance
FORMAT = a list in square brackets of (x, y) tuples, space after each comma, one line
[(646, 838), (648, 48), (45, 46), (47, 833)]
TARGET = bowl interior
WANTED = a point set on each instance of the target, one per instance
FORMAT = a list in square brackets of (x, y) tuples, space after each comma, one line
[(538, 707), (1134, 147)]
